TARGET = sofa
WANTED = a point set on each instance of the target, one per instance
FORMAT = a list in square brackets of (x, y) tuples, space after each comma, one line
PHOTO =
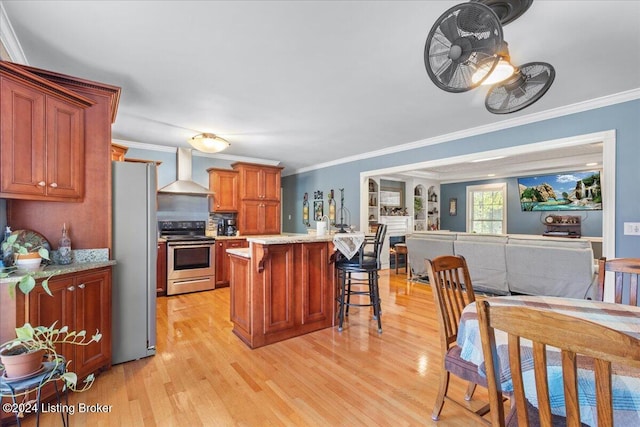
[(505, 264)]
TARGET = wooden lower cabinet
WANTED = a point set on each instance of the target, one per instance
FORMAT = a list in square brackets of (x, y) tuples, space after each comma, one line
[(161, 269), (81, 301), (282, 291), (223, 261)]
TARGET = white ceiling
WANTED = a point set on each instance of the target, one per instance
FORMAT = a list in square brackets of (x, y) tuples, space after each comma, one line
[(309, 82)]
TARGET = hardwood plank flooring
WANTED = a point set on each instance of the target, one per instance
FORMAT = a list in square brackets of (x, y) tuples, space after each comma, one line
[(203, 375)]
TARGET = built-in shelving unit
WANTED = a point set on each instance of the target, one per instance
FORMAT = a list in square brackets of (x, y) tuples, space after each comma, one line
[(433, 209), (374, 197), (419, 208)]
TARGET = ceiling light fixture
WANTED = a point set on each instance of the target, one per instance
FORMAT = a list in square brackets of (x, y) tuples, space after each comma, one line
[(591, 164), (502, 71), (209, 143)]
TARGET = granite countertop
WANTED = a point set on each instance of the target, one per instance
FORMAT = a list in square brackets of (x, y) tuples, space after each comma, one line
[(283, 239), (241, 252), (83, 259)]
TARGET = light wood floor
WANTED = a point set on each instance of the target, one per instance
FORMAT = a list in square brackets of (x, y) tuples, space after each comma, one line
[(203, 375)]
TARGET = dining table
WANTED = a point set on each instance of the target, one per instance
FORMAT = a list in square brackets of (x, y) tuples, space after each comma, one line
[(625, 380)]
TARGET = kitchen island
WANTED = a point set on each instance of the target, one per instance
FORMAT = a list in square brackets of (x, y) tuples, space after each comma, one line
[(281, 287)]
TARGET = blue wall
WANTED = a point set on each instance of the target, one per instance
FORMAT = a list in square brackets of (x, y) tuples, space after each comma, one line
[(623, 117), (518, 222)]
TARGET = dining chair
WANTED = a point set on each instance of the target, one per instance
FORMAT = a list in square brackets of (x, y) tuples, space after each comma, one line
[(366, 261), (545, 328), (452, 291), (625, 272)]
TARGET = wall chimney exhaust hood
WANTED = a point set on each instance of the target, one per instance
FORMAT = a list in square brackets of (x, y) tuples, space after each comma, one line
[(185, 183)]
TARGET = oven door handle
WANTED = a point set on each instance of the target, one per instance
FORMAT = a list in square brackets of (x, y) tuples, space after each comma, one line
[(191, 245)]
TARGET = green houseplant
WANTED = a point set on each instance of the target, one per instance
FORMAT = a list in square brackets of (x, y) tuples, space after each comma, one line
[(41, 341), (22, 249)]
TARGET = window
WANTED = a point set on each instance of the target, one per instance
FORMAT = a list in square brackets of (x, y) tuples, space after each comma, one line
[(487, 208)]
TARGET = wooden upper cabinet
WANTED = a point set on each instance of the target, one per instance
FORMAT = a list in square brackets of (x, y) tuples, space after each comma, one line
[(258, 182), (41, 138), (118, 152), (224, 184)]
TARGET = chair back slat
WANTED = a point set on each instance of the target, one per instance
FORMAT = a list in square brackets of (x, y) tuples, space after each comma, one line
[(603, 392), (625, 272), (547, 328), (570, 380), (542, 385), (452, 290)]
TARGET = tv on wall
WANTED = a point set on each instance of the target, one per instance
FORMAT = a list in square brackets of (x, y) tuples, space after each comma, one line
[(566, 191)]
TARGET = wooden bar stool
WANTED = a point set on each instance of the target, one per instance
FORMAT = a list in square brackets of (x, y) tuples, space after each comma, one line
[(401, 249)]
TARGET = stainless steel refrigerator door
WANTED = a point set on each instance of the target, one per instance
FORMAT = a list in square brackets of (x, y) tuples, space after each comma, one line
[(135, 251)]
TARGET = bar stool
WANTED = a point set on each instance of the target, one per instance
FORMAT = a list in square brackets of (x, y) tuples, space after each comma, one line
[(401, 249), (369, 264), (51, 372)]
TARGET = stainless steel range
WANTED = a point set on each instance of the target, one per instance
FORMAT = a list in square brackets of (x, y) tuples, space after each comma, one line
[(190, 256)]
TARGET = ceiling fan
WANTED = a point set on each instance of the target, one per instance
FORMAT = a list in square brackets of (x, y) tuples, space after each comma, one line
[(465, 49)]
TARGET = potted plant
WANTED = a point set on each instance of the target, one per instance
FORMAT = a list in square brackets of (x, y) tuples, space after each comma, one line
[(37, 344), (24, 250)]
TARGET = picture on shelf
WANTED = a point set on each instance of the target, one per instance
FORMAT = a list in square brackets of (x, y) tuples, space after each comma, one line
[(318, 210)]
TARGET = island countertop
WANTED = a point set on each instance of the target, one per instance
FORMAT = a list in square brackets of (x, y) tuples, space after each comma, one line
[(283, 239)]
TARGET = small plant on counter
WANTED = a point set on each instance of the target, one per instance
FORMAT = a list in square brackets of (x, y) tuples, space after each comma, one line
[(18, 249), (41, 341)]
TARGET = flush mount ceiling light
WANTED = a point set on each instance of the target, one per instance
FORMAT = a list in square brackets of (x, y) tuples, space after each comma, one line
[(208, 143)]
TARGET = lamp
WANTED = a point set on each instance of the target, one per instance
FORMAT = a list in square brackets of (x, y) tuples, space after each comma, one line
[(208, 143), (502, 71)]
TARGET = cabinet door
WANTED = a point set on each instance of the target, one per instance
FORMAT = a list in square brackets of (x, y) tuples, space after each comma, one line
[(271, 184), (93, 314), (224, 185), (249, 220), (65, 149), (22, 140), (317, 284), (251, 185), (278, 280), (240, 292), (45, 309), (222, 263), (271, 218), (161, 269)]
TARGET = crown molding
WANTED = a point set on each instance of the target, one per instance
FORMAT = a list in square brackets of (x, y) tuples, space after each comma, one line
[(10, 40), (218, 156), (591, 104)]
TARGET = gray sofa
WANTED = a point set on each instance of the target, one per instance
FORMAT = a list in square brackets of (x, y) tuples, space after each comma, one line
[(503, 264)]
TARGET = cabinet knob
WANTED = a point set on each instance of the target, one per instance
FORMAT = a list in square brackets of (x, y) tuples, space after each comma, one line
[(71, 288), (81, 286), (53, 185), (42, 184)]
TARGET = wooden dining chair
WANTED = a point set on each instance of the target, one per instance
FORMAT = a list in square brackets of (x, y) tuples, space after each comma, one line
[(545, 328), (625, 272), (452, 291)]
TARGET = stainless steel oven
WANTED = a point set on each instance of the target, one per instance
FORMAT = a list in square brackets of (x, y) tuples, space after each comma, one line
[(190, 257)]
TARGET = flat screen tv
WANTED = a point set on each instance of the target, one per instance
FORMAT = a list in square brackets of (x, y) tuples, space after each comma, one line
[(566, 191)]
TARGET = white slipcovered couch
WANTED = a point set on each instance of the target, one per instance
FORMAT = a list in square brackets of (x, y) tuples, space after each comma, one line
[(502, 264)]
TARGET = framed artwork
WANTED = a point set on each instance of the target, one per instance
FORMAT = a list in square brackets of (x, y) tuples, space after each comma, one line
[(453, 206), (305, 209), (318, 210)]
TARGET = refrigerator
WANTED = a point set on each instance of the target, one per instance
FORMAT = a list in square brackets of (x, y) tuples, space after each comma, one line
[(135, 248)]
